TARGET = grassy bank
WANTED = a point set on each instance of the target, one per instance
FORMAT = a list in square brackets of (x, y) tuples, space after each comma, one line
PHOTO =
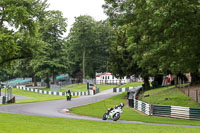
[(99, 108), (14, 123), (169, 96)]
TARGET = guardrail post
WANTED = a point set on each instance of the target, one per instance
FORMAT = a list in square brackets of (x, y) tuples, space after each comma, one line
[(4, 100), (151, 109)]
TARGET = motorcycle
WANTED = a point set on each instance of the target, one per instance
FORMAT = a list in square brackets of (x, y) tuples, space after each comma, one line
[(113, 113)]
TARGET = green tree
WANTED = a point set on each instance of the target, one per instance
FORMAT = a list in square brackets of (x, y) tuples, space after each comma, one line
[(164, 34), (18, 28), (82, 38), (52, 58), (89, 41)]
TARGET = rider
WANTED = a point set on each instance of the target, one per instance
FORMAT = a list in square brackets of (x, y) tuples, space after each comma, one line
[(68, 94), (116, 106)]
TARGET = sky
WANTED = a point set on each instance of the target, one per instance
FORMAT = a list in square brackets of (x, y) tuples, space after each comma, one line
[(75, 8)]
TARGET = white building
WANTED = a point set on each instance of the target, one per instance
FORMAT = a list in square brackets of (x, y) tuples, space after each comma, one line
[(108, 78)]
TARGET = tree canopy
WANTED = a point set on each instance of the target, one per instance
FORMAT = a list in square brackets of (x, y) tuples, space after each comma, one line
[(19, 28), (88, 42), (163, 34)]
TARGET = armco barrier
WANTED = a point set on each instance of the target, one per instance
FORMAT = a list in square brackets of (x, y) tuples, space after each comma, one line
[(194, 113), (142, 107), (125, 89), (54, 93), (159, 110), (1, 99), (167, 111)]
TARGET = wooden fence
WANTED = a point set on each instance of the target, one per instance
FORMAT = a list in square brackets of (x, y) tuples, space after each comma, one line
[(193, 93)]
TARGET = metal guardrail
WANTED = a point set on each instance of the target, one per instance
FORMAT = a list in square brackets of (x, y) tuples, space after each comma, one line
[(90, 92), (142, 107), (126, 89), (167, 111)]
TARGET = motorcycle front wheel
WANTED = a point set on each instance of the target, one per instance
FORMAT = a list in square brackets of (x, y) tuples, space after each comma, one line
[(104, 117), (116, 117)]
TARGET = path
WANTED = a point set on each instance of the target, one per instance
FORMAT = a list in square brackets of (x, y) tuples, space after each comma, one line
[(57, 109)]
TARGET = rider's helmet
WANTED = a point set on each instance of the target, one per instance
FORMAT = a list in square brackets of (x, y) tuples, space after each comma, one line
[(122, 104)]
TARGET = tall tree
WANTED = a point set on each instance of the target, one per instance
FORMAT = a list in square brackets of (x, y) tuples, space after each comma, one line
[(82, 38), (89, 41), (18, 27), (52, 60)]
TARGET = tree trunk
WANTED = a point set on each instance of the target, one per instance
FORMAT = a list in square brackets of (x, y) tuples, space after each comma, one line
[(84, 52), (47, 81), (34, 80), (54, 78), (146, 83)]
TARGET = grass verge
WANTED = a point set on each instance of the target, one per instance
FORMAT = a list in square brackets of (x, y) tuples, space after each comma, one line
[(35, 97), (99, 108), (133, 84), (14, 123), (81, 87)]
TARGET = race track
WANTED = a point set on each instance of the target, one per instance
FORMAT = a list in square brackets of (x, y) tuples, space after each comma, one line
[(57, 108)]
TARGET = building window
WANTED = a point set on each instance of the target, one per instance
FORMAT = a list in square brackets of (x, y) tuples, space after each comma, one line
[(113, 77), (103, 77), (108, 77)]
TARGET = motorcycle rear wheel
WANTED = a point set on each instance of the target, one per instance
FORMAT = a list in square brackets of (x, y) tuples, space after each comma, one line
[(116, 117)]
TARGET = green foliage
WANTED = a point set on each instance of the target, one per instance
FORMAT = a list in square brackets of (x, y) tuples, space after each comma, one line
[(19, 28), (88, 42), (52, 59), (164, 35), (121, 60)]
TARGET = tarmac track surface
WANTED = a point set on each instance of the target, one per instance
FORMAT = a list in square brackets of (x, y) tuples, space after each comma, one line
[(58, 109)]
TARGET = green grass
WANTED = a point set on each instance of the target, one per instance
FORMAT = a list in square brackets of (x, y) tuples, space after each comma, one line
[(105, 87), (81, 87), (157, 90), (14, 123), (35, 97), (75, 87), (99, 108), (174, 95), (133, 84)]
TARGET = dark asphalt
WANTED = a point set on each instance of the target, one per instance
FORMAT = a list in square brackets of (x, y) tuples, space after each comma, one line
[(58, 108)]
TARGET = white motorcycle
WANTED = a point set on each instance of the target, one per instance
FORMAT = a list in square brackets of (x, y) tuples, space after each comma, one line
[(114, 113)]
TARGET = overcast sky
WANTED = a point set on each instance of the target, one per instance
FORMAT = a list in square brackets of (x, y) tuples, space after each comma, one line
[(75, 8)]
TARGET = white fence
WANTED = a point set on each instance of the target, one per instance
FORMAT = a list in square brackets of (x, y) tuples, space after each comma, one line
[(23, 87)]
